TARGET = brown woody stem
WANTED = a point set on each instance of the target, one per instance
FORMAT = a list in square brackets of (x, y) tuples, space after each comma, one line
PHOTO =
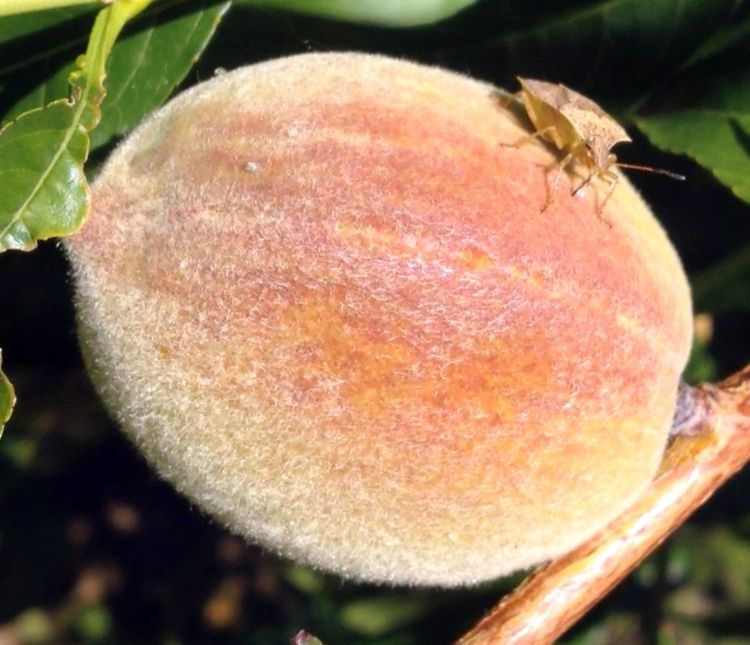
[(710, 442)]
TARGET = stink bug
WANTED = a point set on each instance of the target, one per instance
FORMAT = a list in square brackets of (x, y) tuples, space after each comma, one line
[(578, 127)]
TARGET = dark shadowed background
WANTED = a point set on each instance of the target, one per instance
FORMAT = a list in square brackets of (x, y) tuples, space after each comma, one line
[(94, 548)]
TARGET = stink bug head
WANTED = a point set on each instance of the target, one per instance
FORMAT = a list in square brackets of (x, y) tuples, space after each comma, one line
[(598, 157), (600, 141)]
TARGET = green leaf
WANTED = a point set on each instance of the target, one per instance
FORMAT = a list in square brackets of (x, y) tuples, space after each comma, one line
[(53, 88), (45, 193), (147, 64), (15, 7), (722, 40), (605, 48), (711, 120), (725, 286), (306, 580), (7, 398), (390, 13), (25, 24), (41, 170), (719, 140), (38, 63), (95, 624), (378, 615), (701, 367)]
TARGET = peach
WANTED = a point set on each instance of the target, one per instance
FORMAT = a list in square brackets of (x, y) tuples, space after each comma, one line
[(322, 299)]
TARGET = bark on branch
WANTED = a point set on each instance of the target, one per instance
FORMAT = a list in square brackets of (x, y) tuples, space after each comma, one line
[(710, 442)]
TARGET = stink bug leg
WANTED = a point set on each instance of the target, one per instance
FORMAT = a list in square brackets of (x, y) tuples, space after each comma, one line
[(539, 134), (560, 166)]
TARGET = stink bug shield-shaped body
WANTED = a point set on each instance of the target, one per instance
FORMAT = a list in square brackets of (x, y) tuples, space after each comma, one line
[(580, 128), (575, 125)]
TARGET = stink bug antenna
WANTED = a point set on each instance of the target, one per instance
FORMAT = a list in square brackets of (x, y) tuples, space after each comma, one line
[(658, 171)]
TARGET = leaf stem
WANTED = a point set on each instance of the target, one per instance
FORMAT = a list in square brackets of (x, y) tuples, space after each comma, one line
[(710, 442)]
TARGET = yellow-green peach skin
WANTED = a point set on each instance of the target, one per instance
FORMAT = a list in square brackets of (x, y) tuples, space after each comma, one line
[(322, 299)]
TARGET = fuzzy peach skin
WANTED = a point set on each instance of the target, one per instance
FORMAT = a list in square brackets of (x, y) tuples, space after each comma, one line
[(322, 299)]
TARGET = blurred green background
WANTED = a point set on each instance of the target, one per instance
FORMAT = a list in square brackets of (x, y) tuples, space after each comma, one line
[(95, 549)]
